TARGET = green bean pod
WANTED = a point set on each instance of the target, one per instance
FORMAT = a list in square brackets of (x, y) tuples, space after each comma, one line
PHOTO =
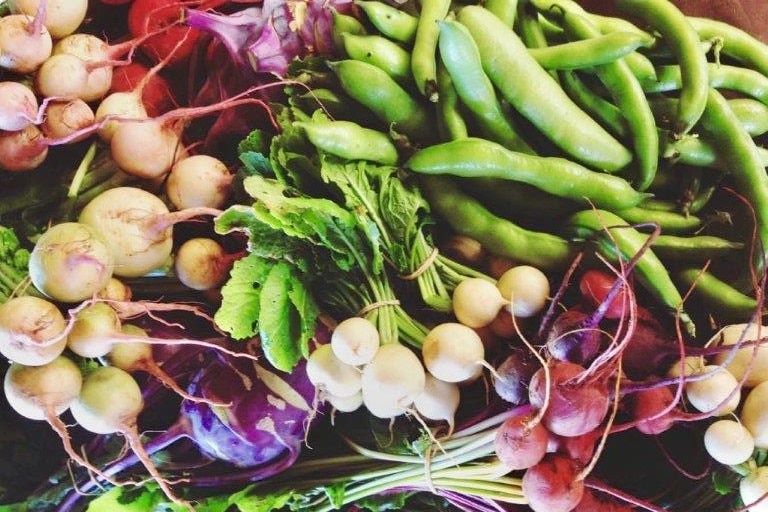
[(461, 58), (344, 24), (450, 121), (700, 152), (718, 296), (752, 114), (587, 53), (350, 140), (628, 95), (466, 216), (537, 96), (678, 33), (505, 10), (605, 112), (694, 248), (474, 157), (383, 53), (514, 200), (736, 43), (392, 22), (610, 24), (423, 60), (669, 222), (377, 91), (627, 241)]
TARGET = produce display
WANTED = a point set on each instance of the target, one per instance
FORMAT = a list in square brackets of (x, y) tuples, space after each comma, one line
[(369, 255)]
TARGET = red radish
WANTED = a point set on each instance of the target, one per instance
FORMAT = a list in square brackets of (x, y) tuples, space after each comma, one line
[(157, 94), (109, 402), (552, 485), (581, 448), (595, 285), (597, 502), (199, 180), (574, 336), (574, 408), (513, 376), (150, 16), (65, 118), (62, 17), (18, 106), (520, 443), (22, 150), (647, 404), (33, 332), (24, 44)]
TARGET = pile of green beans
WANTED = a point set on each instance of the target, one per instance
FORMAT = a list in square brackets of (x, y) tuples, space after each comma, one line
[(542, 130)]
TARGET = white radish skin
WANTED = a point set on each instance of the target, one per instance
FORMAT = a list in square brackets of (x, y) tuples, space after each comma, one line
[(18, 106), (62, 17), (729, 442), (22, 51), (70, 262), (476, 302), (202, 264), (330, 375), (35, 392), (453, 352), (127, 219), (62, 75), (754, 487), (392, 381), (159, 143), (199, 180), (707, 394), (754, 414), (527, 289), (90, 49), (439, 401), (126, 105), (689, 366), (355, 341), (756, 356), (93, 331), (65, 118), (345, 404), (23, 150), (32, 331)]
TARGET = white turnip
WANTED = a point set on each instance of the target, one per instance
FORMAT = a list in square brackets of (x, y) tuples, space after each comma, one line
[(115, 291), (754, 487), (65, 118), (93, 331), (711, 394), (526, 288), (62, 17), (33, 331), (754, 414), (202, 263), (729, 442), (392, 381), (355, 341), (24, 44), (438, 401), (453, 352), (18, 106), (62, 76), (328, 374), (476, 302), (199, 180), (345, 404), (160, 147), (749, 356), (70, 262), (109, 402)]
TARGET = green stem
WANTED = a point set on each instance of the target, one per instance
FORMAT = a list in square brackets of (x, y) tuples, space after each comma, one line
[(82, 169)]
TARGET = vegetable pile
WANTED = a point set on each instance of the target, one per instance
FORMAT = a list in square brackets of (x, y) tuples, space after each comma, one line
[(367, 255)]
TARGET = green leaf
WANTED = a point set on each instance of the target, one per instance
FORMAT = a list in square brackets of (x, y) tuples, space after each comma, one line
[(381, 502), (239, 311), (724, 482), (247, 502), (308, 312), (279, 320), (336, 494), (256, 142), (14, 507), (256, 163), (148, 498)]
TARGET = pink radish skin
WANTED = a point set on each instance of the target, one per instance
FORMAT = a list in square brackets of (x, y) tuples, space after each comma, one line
[(23, 150), (32, 331), (648, 403), (161, 148), (62, 75), (519, 443), (24, 44), (65, 118), (89, 49), (18, 106), (574, 408), (552, 484)]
